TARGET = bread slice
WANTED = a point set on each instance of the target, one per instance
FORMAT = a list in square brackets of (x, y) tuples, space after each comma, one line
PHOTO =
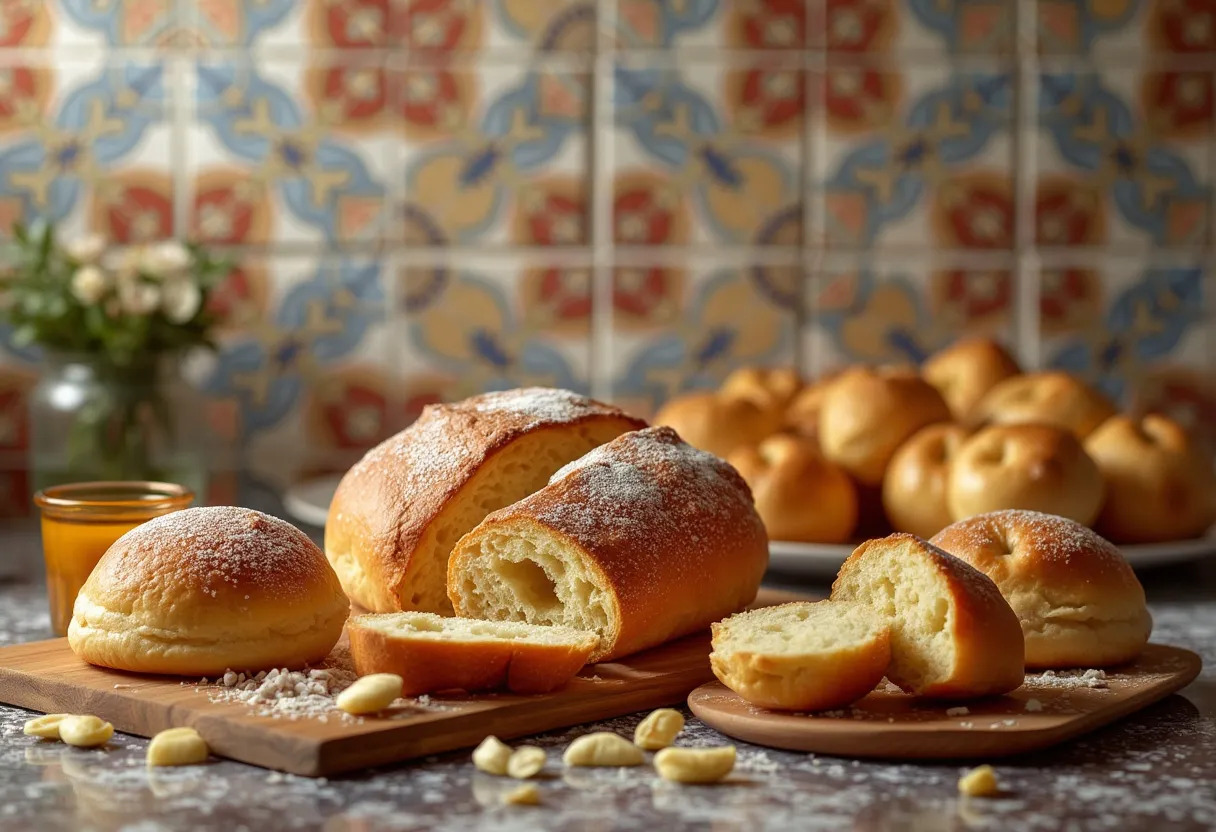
[(802, 656), (433, 653), (952, 634)]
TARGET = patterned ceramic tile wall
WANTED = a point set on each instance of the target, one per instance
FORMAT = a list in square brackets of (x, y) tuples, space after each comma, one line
[(629, 197)]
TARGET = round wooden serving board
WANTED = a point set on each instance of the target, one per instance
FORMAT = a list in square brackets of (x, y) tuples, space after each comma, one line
[(893, 725)]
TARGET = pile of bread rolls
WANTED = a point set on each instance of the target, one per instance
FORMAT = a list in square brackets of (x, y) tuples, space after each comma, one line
[(868, 450)]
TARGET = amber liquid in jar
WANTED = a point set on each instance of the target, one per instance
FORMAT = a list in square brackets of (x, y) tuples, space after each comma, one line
[(79, 523)]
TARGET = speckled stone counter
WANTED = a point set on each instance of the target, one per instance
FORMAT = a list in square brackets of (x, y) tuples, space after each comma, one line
[(1156, 770)]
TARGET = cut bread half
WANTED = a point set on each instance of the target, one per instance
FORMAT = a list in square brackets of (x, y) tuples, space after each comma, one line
[(802, 656), (433, 653), (952, 634)]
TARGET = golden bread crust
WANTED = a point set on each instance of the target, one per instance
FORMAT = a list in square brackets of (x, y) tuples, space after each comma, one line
[(716, 423), (1052, 398), (916, 484), (966, 370)]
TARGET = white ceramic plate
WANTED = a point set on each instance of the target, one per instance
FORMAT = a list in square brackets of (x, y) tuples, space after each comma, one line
[(309, 501), (822, 560)]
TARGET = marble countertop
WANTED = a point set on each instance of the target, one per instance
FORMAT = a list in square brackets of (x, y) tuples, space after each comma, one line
[(1154, 770)]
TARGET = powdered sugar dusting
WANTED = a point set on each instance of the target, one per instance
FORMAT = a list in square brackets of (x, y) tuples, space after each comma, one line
[(537, 405), (1067, 680)]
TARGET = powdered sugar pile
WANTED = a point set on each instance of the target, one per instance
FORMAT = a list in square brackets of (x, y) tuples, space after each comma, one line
[(1069, 679), (537, 405), (289, 694)]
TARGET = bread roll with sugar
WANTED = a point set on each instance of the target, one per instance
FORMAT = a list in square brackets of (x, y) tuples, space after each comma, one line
[(718, 424), (771, 388), (867, 413), (640, 541), (205, 590), (398, 512), (952, 634), (1160, 485), (1050, 398), (965, 371), (799, 495), (1078, 601), (432, 653), (1036, 467), (802, 656), (915, 487)]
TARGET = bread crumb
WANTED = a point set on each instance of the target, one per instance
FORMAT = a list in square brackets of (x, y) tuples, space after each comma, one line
[(979, 782), (525, 795), (959, 711), (1034, 705)]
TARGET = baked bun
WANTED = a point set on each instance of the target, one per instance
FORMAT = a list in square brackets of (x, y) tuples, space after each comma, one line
[(1159, 485), (952, 634), (432, 653), (914, 489), (398, 512), (1035, 467), (771, 388), (867, 413), (205, 590), (968, 369), (1079, 602), (718, 424), (802, 656), (640, 541), (802, 413), (1051, 398), (799, 494)]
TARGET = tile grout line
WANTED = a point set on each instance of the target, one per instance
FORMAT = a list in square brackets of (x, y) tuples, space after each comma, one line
[(1027, 275), (814, 80), (599, 148), (182, 103)]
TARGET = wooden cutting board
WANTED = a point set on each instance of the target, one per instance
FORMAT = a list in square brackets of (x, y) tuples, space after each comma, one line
[(46, 676), (893, 725)]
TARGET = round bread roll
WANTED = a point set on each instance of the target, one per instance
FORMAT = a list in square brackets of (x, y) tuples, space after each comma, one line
[(718, 424), (1035, 467), (802, 413), (205, 590), (915, 486), (1159, 485), (799, 494), (867, 413), (966, 370), (771, 388), (1079, 602), (1051, 398)]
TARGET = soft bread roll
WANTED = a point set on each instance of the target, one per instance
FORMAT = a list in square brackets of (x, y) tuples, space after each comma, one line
[(799, 494), (716, 423), (640, 541), (1036, 467), (965, 371), (398, 512), (802, 656), (914, 489), (1051, 398), (432, 653), (1079, 603), (205, 590), (1159, 485), (952, 634), (771, 388), (867, 413), (802, 413)]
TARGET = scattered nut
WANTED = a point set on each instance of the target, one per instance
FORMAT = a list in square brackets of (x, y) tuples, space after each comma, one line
[(603, 748), (45, 726), (525, 794), (371, 693), (659, 729), (979, 782), (85, 731), (492, 756), (695, 765), (177, 747), (526, 762)]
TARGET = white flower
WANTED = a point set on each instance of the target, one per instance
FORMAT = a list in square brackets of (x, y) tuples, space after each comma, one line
[(86, 249), (180, 300), (138, 298), (165, 259), (89, 284)]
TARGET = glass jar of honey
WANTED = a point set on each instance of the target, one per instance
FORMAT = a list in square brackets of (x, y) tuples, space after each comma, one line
[(81, 520)]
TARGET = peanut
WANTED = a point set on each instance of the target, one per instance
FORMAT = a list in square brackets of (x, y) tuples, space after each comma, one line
[(659, 729), (526, 762), (46, 726), (979, 782), (695, 765), (85, 731), (525, 794), (177, 747), (603, 748), (371, 693), (492, 756)]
